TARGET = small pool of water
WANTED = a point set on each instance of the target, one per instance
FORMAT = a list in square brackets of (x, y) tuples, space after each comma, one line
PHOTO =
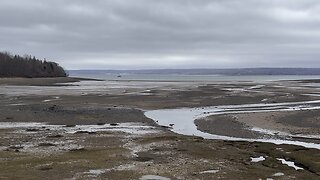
[(290, 164), (153, 177), (257, 159)]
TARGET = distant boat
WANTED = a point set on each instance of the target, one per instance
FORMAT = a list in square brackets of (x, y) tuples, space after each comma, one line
[(119, 76)]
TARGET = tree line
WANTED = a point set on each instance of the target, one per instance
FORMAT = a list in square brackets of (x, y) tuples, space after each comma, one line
[(28, 66)]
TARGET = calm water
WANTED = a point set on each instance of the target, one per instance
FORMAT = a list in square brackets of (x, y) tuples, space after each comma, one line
[(197, 78)]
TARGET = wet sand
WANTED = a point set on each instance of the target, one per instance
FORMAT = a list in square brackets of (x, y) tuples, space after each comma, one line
[(131, 151), (296, 124)]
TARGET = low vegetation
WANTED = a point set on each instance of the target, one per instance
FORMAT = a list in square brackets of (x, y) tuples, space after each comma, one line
[(27, 66)]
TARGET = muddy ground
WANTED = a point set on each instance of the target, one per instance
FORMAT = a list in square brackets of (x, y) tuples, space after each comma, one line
[(127, 145)]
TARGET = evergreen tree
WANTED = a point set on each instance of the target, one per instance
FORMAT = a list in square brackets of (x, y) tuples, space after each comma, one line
[(28, 66)]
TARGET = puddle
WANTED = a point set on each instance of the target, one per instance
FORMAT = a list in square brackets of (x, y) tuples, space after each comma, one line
[(153, 177), (49, 100), (278, 174), (97, 172), (258, 159), (257, 87), (315, 95), (17, 104), (125, 167), (290, 164), (181, 120), (209, 172), (11, 125)]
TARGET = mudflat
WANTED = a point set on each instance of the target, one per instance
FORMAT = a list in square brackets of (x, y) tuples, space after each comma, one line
[(100, 131)]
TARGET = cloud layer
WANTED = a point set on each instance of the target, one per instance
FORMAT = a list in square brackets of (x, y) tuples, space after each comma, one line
[(126, 34)]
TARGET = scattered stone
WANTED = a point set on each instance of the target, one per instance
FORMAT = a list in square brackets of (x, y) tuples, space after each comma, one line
[(70, 125), (167, 127), (85, 132), (101, 124), (16, 147), (114, 124), (52, 108), (55, 136), (143, 158), (181, 150), (171, 125), (32, 130), (46, 144), (45, 168), (77, 149), (198, 139)]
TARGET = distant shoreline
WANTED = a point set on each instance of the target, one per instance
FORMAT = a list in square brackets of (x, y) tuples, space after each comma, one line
[(45, 81), (202, 71)]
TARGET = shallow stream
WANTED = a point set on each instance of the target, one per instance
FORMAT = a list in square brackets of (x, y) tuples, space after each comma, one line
[(181, 120)]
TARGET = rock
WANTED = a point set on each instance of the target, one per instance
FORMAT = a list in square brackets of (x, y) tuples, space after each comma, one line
[(32, 130), (55, 136), (46, 144), (85, 132), (16, 147), (167, 127), (198, 139), (114, 124), (77, 149), (45, 168), (181, 150), (143, 158), (70, 125), (52, 108)]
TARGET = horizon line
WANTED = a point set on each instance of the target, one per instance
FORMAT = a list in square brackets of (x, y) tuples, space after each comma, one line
[(191, 69)]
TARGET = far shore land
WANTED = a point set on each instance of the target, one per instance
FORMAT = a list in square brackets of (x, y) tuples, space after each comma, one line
[(119, 151), (50, 81)]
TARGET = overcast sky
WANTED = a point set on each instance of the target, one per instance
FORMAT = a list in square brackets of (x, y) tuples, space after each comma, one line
[(139, 34)]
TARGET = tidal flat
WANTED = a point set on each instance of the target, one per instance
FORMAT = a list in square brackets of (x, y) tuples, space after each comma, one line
[(69, 128)]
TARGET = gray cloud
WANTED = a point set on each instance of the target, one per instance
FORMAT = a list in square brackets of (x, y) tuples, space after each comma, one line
[(126, 34)]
